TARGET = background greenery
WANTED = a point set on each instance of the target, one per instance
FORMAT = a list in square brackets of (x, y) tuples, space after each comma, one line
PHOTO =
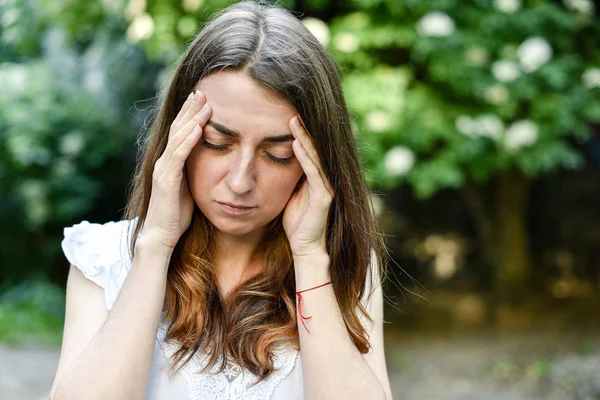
[(469, 115)]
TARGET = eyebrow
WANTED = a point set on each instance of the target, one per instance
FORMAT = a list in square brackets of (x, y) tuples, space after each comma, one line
[(235, 134)]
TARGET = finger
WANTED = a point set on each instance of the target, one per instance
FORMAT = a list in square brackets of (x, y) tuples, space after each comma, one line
[(300, 133), (184, 108), (199, 119), (313, 176), (174, 169), (198, 101)]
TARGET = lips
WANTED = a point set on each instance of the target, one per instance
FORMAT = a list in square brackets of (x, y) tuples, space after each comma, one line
[(235, 210), (240, 206)]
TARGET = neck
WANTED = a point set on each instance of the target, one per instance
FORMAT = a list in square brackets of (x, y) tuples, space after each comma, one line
[(236, 259)]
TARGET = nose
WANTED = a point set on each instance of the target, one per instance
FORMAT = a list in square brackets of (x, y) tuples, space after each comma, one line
[(241, 175)]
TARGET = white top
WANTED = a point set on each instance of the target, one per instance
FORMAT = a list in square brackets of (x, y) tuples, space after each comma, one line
[(101, 252)]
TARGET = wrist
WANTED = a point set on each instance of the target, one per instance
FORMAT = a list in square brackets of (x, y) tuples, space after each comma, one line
[(148, 243), (311, 270)]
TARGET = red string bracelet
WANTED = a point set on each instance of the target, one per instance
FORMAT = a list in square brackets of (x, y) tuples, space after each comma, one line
[(299, 294)]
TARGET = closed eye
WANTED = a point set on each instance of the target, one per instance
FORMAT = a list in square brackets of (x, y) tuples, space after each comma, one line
[(220, 147), (213, 146)]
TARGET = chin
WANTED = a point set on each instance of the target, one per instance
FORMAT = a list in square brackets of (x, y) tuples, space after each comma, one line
[(234, 228)]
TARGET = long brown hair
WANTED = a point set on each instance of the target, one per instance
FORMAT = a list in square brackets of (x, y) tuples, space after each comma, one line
[(274, 48)]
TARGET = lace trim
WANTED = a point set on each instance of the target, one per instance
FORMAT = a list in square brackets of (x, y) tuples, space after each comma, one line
[(213, 385)]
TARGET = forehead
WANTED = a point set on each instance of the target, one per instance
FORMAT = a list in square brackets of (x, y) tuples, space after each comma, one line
[(239, 103)]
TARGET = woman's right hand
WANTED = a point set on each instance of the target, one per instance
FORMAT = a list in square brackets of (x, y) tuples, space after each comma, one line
[(171, 203)]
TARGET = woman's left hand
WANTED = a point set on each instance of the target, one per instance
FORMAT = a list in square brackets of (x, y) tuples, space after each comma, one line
[(305, 215)]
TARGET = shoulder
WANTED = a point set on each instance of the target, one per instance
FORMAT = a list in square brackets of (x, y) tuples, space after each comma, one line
[(101, 253)]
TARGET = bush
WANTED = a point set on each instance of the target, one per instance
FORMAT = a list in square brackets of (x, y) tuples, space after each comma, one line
[(32, 311)]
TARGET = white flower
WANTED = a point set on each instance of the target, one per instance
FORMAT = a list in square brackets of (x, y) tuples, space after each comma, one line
[(35, 193), (486, 125), (134, 8), (318, 28), (378, 121), (477, 56), (399, 160), (505, 70), (533, 53), (465, 125), (581, 6), (489, 125), (435, 23), (14, 77), (141, 28), (26, 151), (72, 143), (507, 6), (346, 42), (37, 212), (191, 5), (496, 94), (10, 16), (520, 134), (591, 78), (33, 189)]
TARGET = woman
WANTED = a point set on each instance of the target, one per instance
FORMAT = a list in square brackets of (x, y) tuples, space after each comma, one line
[(241, 270)]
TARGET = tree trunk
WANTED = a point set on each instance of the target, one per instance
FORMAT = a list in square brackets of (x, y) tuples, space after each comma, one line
[(513, 268), (477, 205)]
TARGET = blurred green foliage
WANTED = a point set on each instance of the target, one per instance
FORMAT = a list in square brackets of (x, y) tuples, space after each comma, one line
[(443, 92), (66, 125), (487, 86), (32, 311)]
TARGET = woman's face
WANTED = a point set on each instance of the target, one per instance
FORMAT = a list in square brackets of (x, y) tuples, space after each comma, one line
[(244, 156)]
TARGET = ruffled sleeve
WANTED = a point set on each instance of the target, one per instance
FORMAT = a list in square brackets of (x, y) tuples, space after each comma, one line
[(101, 252)]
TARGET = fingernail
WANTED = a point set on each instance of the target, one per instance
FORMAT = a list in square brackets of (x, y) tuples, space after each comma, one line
[(297, 121), (204, 108)]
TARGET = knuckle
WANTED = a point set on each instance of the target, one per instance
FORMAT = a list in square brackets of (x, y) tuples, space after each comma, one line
[(159, 184), (171, 181), (157, 167), (191, 136), (179, 153), (174, 138), (325, 199)]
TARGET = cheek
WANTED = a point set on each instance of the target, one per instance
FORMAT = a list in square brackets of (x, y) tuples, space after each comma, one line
[(199, 170), (279, 185)]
